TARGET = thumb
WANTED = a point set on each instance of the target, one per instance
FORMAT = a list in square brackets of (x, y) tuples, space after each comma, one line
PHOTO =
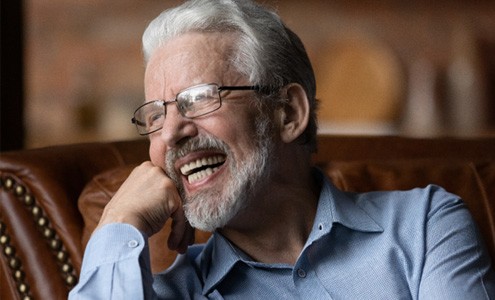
[(182, 234)]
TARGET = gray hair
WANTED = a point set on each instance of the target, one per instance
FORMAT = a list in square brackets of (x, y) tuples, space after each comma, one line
[(267, 52)]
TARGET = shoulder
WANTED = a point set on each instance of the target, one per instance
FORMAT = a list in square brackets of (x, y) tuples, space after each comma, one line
[(414, 210), (427, 201)]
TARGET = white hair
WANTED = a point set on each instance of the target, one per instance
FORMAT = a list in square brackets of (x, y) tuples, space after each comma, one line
[(267, 52)]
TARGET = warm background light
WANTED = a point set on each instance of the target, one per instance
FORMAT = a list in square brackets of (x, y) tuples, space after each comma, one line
[(383, 67)]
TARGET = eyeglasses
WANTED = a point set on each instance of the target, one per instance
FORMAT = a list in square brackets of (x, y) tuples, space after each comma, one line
[(192, 102)]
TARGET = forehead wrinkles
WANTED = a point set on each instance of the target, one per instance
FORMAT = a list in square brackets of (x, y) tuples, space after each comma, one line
[(190, 59)]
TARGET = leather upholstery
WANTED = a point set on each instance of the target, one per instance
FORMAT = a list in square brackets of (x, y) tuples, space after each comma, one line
[(39, 216), (51, 198)]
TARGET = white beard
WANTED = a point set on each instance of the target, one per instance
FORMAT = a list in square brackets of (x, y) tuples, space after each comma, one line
[(211, 209)]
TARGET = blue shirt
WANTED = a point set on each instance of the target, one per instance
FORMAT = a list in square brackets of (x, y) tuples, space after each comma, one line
[(417, 244)]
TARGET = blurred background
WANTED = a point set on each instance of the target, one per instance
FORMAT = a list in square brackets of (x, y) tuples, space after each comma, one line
[(72, 71)]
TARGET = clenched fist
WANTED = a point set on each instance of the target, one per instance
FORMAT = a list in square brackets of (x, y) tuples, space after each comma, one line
[(146, 200)]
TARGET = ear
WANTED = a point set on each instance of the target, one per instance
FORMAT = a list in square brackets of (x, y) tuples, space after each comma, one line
[(294, 114)]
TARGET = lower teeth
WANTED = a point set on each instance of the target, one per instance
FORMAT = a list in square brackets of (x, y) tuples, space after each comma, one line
[(201, 174)]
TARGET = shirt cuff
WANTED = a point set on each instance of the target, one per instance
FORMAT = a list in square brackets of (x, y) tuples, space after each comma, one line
[(113, 243)]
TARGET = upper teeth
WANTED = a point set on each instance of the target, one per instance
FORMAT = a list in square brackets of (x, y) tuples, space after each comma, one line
[(205, 161)]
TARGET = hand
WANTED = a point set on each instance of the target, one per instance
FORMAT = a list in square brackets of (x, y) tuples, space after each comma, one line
[(146, 200)]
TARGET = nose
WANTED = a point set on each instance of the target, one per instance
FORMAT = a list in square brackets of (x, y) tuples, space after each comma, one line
[(176, 128)]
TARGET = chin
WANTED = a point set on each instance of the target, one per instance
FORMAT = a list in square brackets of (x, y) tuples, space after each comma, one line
[(209, 211)]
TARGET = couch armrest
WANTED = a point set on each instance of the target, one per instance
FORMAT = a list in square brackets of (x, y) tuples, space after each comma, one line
[(39, 219)]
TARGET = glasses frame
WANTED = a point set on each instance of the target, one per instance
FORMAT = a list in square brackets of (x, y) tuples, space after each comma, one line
[(165, 102)]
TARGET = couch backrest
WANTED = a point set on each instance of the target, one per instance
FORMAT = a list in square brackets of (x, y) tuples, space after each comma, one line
[(51, 198)]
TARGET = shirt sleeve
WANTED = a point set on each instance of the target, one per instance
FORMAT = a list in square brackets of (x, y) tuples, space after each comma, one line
[(456, 264), (116, 265)]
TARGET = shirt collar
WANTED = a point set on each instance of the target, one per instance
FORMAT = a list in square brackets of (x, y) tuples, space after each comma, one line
[(334, 206), (223, 257), (338, 207)]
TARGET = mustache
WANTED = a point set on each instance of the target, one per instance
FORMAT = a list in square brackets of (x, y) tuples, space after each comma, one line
[(198, 143)]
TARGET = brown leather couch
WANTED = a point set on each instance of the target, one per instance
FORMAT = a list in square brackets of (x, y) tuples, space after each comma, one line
[(51, 198)]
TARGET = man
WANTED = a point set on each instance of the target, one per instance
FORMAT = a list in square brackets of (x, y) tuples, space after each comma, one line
[(230, 114)]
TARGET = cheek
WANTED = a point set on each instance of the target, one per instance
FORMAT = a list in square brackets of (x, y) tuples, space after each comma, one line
[(241, 136), (157, 154)]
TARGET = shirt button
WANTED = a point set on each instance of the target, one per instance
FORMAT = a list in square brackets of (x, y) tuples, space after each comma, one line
[(320, 226), (132, 244), (301, 273)]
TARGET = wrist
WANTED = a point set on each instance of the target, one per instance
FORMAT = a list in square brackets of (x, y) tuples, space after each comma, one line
[(110, 217)]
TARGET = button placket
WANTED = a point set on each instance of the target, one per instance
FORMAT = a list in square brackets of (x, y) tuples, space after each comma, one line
[(301, 273)]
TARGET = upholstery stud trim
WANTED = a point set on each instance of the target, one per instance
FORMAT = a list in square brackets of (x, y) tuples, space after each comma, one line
[(49, 234), (15, 263)]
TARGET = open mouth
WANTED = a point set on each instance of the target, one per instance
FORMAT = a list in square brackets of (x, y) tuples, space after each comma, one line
[(201, 168)]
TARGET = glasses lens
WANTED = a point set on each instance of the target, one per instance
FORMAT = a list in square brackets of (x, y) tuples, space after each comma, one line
[(150, 117), (198, 100)]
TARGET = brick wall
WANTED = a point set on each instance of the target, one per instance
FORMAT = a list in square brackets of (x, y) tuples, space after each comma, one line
[(382, 66)]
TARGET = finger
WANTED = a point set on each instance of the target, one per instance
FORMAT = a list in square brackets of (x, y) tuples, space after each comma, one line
[(179, 228), (187, 239)]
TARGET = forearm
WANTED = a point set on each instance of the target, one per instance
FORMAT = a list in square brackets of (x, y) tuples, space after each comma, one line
[(115, 266)]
